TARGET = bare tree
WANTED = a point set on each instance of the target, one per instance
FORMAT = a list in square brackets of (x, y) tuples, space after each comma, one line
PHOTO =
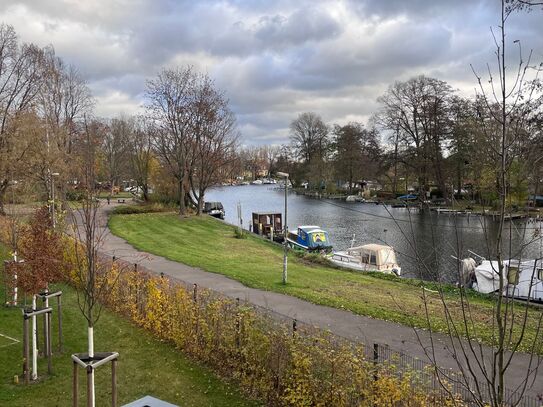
[(505, 109), (141, 153), (418, 111), (115, 147), (309, 135), (89, 229), (213, 138), (20, 80), (169, 105)]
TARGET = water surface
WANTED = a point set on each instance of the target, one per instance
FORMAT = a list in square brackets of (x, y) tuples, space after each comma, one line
[(424, 241)]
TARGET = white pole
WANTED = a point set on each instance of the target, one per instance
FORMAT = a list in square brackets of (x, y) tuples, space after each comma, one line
[(285, 253), (34, 342), (15, 290), (53, 198), (46, 325), (91, 355)]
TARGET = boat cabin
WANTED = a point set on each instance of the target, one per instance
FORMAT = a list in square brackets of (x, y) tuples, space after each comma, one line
[(214, 209), (310, 238), (524, 279), (372, 256), (268, 224)]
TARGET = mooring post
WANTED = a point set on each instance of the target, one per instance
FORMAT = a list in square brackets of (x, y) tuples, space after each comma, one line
[(75, 385), (59, 316), (26, 350), (114, 383), (48, 345)]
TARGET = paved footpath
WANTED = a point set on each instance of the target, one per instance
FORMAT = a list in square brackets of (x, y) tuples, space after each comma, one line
[(344, 323)]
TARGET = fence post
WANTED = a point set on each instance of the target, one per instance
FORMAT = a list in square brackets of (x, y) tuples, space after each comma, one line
[(375, 359), (294, 326), (195, 293)]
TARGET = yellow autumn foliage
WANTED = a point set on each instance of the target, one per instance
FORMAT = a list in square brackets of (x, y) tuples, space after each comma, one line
[(266, 358)]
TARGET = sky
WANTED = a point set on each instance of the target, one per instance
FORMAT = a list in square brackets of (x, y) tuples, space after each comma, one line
[(273, 59)]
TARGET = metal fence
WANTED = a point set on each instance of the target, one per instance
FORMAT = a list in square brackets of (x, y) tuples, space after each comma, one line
[(443, 381)]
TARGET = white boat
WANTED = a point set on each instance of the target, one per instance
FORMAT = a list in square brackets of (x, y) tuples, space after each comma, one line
[(524, 279), (368, 257), (257, 182)]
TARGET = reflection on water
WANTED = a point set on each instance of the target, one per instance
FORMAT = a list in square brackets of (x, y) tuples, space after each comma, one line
[(424, 241)]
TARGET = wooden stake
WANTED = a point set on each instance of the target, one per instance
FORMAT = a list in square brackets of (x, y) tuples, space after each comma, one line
[(75, 386), (48, 344), (59, 305), (26, 351), (89, 387), (114, 383)]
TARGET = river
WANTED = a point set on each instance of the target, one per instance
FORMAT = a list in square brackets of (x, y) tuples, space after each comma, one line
[(424, 241)]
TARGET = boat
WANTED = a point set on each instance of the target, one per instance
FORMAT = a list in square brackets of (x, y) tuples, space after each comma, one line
[(214, 209), (368, 257), (257, 182), (524, 279), (310, 238)]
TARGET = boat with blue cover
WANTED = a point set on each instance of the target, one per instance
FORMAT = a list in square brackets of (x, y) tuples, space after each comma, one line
[(310, 238)]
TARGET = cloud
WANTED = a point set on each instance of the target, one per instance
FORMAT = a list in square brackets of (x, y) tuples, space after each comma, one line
[(274, 59)]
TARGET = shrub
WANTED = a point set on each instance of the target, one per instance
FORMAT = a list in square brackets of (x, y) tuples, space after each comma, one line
[(74, 195), (270, 361), (135, 209)]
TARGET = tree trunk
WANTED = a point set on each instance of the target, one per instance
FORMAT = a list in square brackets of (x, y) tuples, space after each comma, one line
[(3, 189), (145, 192), (182, 206)]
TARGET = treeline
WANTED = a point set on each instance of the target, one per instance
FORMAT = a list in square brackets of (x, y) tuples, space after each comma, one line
[(424, 136), (51, 143)]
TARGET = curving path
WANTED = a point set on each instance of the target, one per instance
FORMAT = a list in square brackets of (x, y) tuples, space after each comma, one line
[(344, 323)]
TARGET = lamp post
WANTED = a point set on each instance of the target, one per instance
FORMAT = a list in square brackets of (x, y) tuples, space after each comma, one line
[(53, 175), (285, 229)]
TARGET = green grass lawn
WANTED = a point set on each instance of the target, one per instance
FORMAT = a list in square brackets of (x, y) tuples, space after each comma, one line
[(211, 245), (146, 366), (122, 194)]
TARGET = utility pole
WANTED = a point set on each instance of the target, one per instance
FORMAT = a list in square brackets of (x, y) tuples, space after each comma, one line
[(285, 228)]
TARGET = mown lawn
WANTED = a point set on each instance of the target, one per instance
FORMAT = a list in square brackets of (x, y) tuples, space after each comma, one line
[(146, 366), (212, 246)]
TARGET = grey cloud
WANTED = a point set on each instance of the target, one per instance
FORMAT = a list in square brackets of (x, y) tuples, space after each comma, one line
[(273, 59)]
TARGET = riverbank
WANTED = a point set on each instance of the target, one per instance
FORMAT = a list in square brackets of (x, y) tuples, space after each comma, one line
[(212, 246), (146, 365), (461, 207)]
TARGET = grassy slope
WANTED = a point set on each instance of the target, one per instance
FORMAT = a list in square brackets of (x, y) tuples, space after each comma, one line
[(211, 245), (146, 366)]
